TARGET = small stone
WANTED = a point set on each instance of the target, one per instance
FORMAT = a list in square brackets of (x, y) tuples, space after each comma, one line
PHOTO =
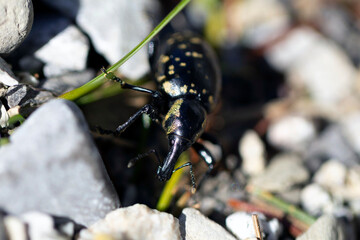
[(52, 165), (252, 151), (44, 226), (65, 52), (67, 82), (16, 19), (315, 200), (331, 144), (315, 64), (291, 133), (195, 226), (284, 171), (15, 228), (4, 117), (326, 227), (3, 232), (350, 126), (27, 97), (137, 222), (325, 175), (109, 30), (257, 22), (7, 77), (242, 226)]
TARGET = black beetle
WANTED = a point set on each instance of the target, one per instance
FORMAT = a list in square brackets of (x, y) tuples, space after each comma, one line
[(188, 79)]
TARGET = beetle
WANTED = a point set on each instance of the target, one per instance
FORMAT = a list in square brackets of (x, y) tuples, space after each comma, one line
[(188, 85)]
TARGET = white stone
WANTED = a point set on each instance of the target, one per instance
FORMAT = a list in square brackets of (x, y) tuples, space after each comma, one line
[(332, 174), (137, 222), (7, 77), (316, 63), (16, 19), (252, 151), (66, 52), (257, 21), (315, 200), (15, 228), (291, 133), (4, 117), (242, 226), (117, 28), (41, 226), (350, 126), (195, 226), (284, 171), (326, 227)]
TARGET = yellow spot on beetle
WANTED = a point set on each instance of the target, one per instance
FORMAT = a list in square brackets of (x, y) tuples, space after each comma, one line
[(164, 59), (195, 40), (170, 88), (193, 91), (171, 72), (173, 112), (197, 55), (183, 89), (183, 64), (211, 99), (160, 78), (171, 67), (177, 59), (192, 85), (182, 46), (188, 54), (170, 41), (204, 91)]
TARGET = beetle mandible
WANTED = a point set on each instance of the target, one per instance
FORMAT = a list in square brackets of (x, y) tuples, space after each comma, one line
[(188, 80)]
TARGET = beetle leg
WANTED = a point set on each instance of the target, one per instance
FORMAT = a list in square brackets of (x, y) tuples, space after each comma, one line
[(145, 109), (208, 158), (191, 174), (111, 76)]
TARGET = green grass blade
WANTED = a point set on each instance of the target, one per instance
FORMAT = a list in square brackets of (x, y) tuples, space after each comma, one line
[(99, 80)]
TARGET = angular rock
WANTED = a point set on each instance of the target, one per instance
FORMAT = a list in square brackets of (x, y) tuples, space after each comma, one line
[(284, 171), (137, 222), (195, 226), (52, 165), (242, 226), (326, 227), (16, 19), (252, 151), (110, 31), (65, 52), (26, 97), (7, 77)]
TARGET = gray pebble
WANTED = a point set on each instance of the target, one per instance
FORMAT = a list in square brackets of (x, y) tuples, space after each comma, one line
[(116, 29), (52, 165), (67, 82), (326, 227), (7, 77), (283, 172), (16, 19)]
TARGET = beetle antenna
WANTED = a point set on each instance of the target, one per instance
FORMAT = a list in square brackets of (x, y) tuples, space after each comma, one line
[(142, 155)]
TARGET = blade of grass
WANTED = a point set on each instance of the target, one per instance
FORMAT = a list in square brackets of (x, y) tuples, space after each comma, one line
[(167, 193), (100, 79)]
